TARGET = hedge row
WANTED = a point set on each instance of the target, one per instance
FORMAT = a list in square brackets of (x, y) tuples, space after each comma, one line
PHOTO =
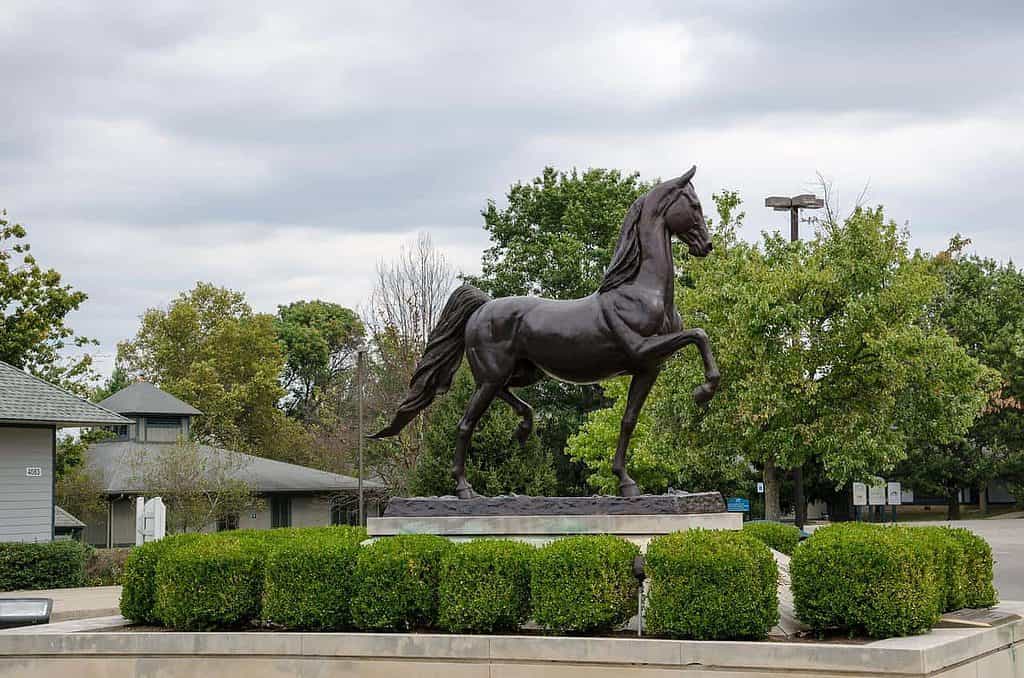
[(52, 565), (888, 581), (703, 584), (782, 538)]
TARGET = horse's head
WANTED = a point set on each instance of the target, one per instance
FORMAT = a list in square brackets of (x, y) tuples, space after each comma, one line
[(683, 215)]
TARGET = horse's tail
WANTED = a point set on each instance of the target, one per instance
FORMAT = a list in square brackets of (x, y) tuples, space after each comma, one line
[(441, 357)]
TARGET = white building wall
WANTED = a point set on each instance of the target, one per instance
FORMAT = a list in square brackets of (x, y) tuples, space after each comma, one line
[(26, 497)]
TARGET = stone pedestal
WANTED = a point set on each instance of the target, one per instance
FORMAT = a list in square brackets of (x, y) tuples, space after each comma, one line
[(538, 520)]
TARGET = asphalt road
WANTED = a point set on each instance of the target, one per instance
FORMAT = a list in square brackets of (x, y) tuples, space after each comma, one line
[(1007, 539)]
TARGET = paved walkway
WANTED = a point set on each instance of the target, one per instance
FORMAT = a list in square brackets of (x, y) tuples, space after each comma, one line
[(83, 603)]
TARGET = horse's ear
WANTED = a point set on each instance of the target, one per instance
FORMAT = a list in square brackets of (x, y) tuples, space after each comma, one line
[(685, 179)]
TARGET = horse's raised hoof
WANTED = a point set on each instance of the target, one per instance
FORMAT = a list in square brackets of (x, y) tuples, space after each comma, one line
[(629, 489), (523, 432), (702, 394)]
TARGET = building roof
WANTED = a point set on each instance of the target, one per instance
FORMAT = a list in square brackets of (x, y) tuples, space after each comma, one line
[(144, 398), (62, 518), (116, 463), (25, 399)]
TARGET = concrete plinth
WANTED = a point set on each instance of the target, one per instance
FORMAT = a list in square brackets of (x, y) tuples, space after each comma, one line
[(639, 529)]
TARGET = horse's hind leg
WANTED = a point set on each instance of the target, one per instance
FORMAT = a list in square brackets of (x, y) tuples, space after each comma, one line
[(478, 404), (523, 409)]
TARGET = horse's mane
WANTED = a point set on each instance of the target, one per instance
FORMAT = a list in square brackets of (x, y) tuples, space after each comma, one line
[(627, 257)]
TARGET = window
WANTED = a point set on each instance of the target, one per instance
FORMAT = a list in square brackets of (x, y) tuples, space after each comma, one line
[(280, 511), (344, 515), (229, 523), (163, 422)]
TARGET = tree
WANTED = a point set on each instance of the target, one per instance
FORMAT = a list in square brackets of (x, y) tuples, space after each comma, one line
[(496, 465), (405, 304), (209, 349), (555, 239), (117, 381), (199, 487), (320, 339), (34, 306), (982, 305), (826, 351)]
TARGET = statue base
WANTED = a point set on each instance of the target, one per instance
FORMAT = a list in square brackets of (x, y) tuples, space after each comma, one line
[(538, 520)]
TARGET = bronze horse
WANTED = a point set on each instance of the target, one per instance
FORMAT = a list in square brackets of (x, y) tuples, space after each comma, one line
[(629, 326)]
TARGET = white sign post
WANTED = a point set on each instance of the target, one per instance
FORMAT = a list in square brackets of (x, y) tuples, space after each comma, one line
[(860, 494), (150, 520), (893, 496)]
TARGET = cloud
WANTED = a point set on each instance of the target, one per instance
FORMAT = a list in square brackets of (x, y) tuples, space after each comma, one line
[(282, 149)]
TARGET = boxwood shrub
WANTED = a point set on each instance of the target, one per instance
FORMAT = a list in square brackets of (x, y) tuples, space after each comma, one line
[(782, 538), (711, 585), (309, 580), (397, 582), (138, 582), (950, 555), (485, 586), (52, 565), (584, 584), (208, 584), (867, 579)]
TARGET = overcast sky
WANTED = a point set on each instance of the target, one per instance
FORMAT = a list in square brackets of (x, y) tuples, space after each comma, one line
[(282, 148)]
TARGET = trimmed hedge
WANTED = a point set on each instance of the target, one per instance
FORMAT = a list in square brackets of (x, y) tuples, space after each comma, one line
[(711, 585), (138, 582), (485, 586), (782, 538), (979, 590), (52, 565), (309, 583), (584, 584), (397, 583), (208, 584), (868, 579)]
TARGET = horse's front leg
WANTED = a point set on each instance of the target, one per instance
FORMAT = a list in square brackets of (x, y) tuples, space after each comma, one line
[(639, 387), (703, 393)]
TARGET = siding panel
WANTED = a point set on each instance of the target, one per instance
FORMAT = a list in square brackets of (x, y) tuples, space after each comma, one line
[(26, 503)]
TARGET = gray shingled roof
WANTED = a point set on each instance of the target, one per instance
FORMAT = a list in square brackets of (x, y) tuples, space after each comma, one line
[(25, 399), (114, 461), (62, 518), (144, 398)]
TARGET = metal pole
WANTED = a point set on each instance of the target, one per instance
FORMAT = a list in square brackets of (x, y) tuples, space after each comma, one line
[(794, 224), (359, 384), (799, 517)]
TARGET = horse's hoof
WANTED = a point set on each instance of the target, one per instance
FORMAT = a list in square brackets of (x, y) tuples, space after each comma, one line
[(629, 489), (466, 492), (702, 394)]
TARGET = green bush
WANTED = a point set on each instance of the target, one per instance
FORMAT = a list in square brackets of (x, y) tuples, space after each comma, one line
[(105, 567), (711, 585), (208, 584), (52, 565), (308, 580), (485, 586), (138, 581), (782, 538), (979, 589), (867, 579), (584, 584), (397, 582), (950, 556)]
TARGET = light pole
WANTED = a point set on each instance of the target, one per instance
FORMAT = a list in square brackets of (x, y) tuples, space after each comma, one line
[(793, 205), (360, 356)]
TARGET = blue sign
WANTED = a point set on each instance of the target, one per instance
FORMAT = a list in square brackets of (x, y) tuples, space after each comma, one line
[(738, 505)]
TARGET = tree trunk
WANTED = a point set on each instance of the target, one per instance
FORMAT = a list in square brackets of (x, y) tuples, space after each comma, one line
[(983, 499), (953, 505), (772, 488), (799, 501)]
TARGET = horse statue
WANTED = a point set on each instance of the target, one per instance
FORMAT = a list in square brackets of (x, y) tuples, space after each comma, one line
[(629, 326)]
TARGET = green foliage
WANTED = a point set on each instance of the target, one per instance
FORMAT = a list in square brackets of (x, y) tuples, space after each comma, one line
[(308, 583), (209, 349), (207, 584), (868, 579), (319, 340), (584, 584), (978, 566), (496, 464), (711, 585), (782, 538), (485, 586), (138, 592), (949, 553), (397, 583), (55, 565), (828, 352), (34, 307), (105, 567)]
